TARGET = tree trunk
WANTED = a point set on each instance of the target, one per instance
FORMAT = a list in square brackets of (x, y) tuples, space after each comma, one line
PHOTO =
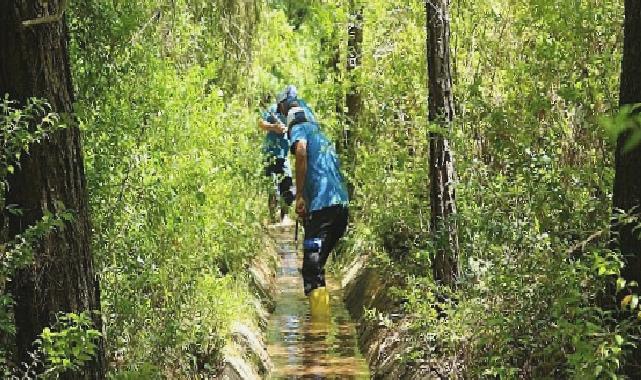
[(34, 62), (441, 112), (354, 61), (353, 99), (627, 182)]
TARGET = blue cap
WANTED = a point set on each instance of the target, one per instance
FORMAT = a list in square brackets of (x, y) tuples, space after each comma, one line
[(288, 93)]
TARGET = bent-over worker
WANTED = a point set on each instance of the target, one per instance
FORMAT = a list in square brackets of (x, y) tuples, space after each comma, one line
[(321, 200)]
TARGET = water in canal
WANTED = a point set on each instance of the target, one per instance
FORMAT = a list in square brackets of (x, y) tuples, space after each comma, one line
[(300, 348)]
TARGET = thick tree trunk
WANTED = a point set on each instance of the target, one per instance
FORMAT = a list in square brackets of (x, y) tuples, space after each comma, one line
[(441, 112), (627, 182), (353, 99), (34, 63)]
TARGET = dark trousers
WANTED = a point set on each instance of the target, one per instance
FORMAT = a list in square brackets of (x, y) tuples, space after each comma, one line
[(323, 229), (278, 169)]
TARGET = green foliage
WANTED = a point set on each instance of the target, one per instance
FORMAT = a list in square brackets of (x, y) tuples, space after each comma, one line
[(168, 94), (534, 178), (175, 178), (68, 344), (21, 126), (626, 121), (16, 254)]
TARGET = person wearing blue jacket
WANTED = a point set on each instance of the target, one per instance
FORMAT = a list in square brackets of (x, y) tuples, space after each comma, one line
[(321, 200), (275, 150)]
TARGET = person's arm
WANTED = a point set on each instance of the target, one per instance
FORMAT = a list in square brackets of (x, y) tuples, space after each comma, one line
[(301, 173), (271, 127)]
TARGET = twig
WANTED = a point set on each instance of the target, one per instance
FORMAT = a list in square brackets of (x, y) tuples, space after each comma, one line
[(580, 246), (155, 17)]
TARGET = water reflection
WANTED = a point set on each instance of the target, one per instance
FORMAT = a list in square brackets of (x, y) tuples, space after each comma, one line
[(305, 349)]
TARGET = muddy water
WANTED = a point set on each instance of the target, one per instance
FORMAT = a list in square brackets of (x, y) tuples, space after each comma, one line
[(300, 348)]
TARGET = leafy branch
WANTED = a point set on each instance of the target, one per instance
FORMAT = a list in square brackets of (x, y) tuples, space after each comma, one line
[(626, 121), (21, 127)]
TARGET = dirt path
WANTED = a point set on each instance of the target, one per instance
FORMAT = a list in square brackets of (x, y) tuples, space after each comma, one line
[(299, 348)]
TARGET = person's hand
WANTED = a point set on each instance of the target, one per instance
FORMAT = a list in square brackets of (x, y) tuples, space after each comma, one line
[(280, 128), (300, 206)]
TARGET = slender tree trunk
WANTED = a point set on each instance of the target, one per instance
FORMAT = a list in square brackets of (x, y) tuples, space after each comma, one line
[(34, 62), (354, 61), (353, 99), (627, 182), (441, 112)]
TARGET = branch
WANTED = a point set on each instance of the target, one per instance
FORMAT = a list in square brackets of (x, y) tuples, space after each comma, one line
[(154, 17), (50, 18), (428, 3), (579, 248)]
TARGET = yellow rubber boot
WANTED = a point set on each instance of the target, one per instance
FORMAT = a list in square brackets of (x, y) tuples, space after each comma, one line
[(319, 304)]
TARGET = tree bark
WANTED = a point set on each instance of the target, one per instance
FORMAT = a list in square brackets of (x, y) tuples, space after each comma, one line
[(627, 181), (353, 98), (34, 62), (354, 61), (442, 173)]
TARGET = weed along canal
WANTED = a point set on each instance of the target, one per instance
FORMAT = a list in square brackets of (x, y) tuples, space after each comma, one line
[(299, 347)]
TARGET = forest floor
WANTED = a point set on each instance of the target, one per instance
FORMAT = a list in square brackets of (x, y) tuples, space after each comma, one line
[(300, 348)]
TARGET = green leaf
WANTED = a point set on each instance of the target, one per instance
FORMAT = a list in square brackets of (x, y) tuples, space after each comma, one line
[(200, 196), (598, 370), (619, 339), (632, 141)]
